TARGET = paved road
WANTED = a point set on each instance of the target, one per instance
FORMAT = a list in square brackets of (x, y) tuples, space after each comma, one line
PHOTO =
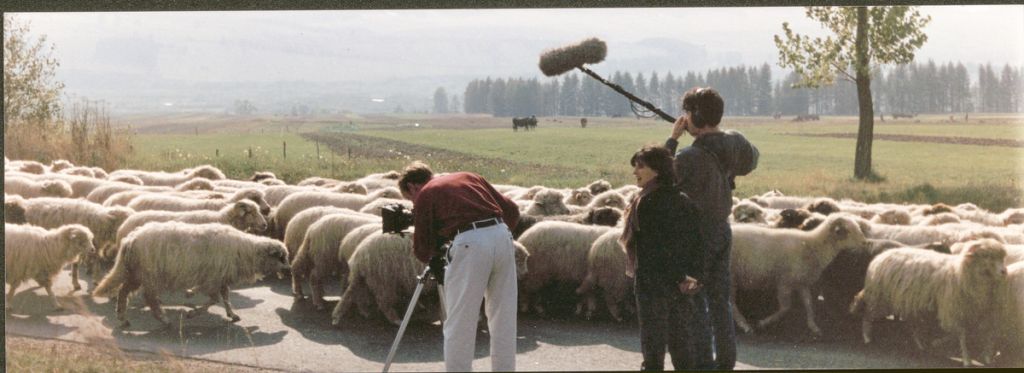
[(276, 333)]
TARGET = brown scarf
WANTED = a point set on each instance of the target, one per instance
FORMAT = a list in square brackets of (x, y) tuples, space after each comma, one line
[(632, 225)]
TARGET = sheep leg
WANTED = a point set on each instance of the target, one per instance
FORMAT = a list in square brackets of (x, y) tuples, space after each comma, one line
[(784, 296), (122, 301), (347, 298), (316, 284), (212, 298), (48, 286), (865, 328), (154, 306), (75, 286), (591, 302), (10, 294), (805, 296), (963, 350), (737, 315), (297, 286), (227, 304), (613, 307)]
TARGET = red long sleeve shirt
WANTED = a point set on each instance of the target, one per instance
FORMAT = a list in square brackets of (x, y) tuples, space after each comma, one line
[(446, 203)]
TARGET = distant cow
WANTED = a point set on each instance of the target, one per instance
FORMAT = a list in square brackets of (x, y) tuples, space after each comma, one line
[(776, 115), (583, 122), (902, 115), (525, 123), (806, 117)]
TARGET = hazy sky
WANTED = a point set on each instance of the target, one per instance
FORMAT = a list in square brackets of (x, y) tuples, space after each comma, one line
[(369, 45)]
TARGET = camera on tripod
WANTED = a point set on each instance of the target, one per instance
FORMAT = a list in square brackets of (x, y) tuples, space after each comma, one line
[(395, 218)]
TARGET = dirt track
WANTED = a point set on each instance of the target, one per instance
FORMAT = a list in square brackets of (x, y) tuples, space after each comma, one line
[(931, 139)]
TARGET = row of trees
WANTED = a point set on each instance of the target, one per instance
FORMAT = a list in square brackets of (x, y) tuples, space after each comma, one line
[(910, 88)]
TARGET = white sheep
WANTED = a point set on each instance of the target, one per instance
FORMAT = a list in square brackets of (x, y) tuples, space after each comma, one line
[(300, 223), (31, 189), (627, 191), (32, 252), (175, 256), (1014, 253), (599, 186), (104, 192), (174, 203), (297, 202), (377, 181), (893, 217), (199, 183), (102, 221), (317, 257), (547, 202), (244, 215), (123, 198), (318, 181), (277, 193), (558, 252), (782, 202), (58, 165), (916, 285), (788, 260), (579, 197), (79, 171), (128, 179), (609, 198), (173, 178), (236, 184), (374, 206), (917, 235), (748, 212), (382, 271), (939, 219), (1013, 324), (606, 272)]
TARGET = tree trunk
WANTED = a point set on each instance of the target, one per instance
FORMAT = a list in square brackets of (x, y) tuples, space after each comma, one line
[(865, 131)]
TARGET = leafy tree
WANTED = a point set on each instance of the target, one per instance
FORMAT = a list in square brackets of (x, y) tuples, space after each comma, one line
[(32, 106), (440, 101), (861, 36)]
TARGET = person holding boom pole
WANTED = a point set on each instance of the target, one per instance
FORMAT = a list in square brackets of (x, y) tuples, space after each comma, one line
[(706, 171), (466, 209)]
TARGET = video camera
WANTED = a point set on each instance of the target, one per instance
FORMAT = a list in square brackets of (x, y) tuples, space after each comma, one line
[(395, 218)]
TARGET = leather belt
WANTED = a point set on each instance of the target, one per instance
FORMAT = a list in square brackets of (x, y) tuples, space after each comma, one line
[(478, 224)]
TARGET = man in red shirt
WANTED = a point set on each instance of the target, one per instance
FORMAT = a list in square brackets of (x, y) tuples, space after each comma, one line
[(466, 209)]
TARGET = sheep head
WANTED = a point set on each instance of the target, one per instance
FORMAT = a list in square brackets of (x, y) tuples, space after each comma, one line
[(273, 257), (77, 239), (521, 258), (580, 197), (56, 188), (983, 259), (599, 186), (246, 216), (843, 232), (608, 216), (824, 206), (792, 218)]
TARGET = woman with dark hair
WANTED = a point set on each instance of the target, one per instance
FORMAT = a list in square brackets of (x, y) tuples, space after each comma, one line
[(666, 259)]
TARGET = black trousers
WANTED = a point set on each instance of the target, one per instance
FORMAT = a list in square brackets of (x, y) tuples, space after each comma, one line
[(669, 320)]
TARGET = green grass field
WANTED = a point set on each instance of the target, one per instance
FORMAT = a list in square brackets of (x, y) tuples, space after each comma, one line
[(560, 154)]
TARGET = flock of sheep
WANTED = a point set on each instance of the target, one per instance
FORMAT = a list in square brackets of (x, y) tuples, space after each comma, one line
[(959, 269)]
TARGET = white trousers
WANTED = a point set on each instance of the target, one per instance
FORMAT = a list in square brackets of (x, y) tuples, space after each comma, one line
[(481, 265)]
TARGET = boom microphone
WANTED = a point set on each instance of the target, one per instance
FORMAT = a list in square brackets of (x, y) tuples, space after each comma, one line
[(560, 60)]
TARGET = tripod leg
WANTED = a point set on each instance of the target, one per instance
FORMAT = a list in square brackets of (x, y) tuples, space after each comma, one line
[(405, 321)]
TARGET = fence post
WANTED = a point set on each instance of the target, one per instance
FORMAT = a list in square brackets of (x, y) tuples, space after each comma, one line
[(284, 149), (250, 151), (317, 150), (216, 152)]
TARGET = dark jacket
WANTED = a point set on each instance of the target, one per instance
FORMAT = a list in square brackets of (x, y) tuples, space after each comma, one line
[(707, 169), (669, 246)]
